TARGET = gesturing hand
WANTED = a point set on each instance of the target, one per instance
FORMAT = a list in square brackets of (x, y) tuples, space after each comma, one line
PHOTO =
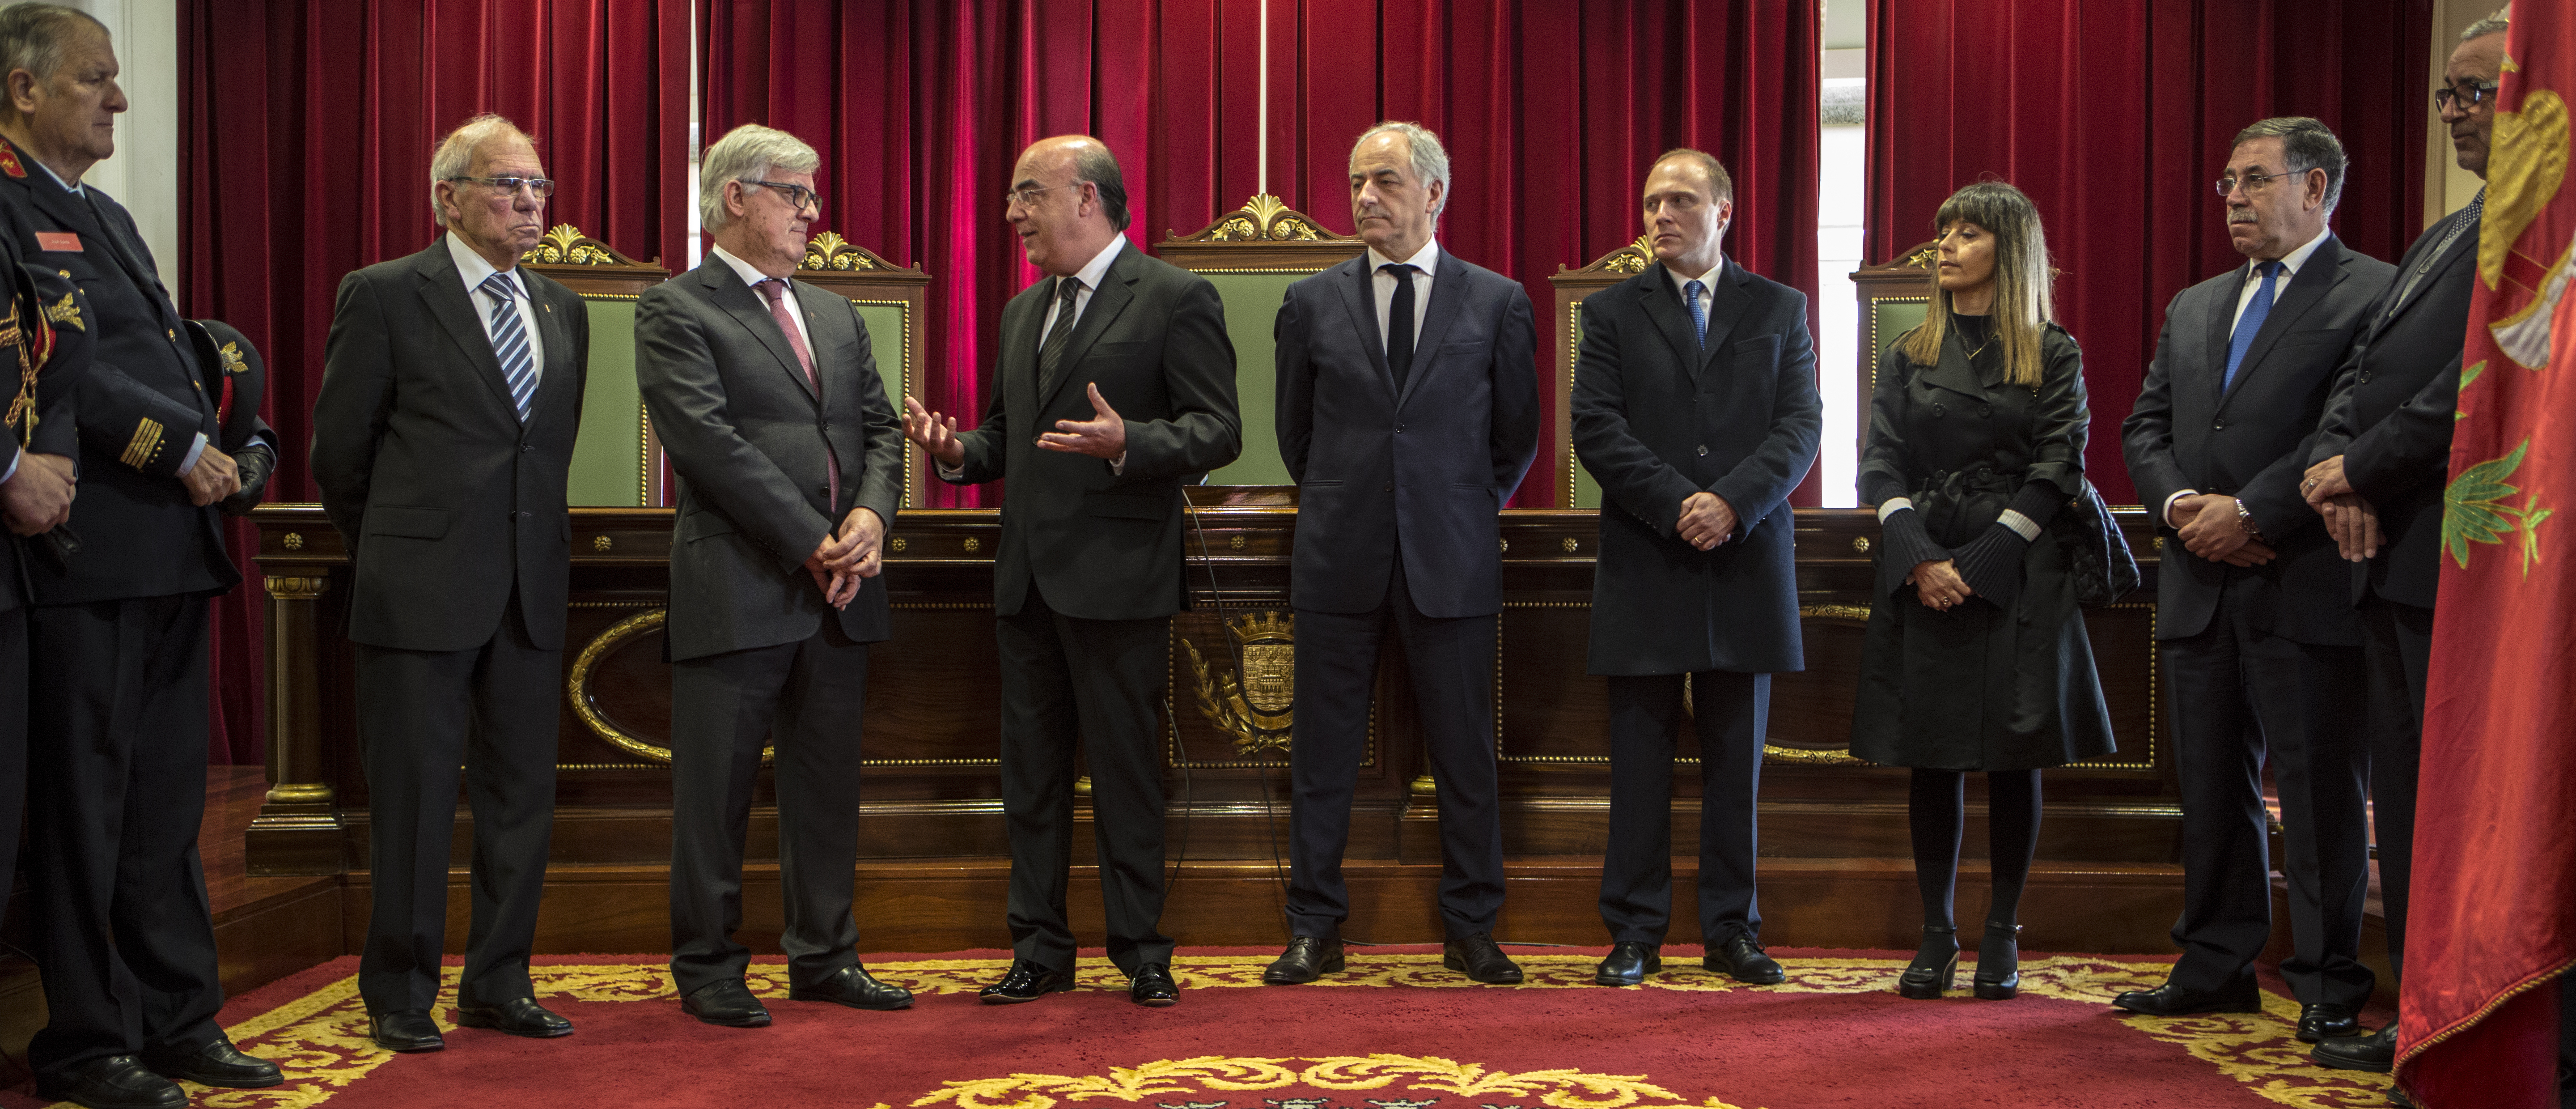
[(1104, 435), (1706, 520), (934, 433)]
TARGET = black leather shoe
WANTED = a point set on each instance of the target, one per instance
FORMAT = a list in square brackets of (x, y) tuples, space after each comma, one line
[(1307, 958), (1152, 986), (519, 1016), (1026, 981), (727, 1002), (1924, 979), (1998, 976), (1628, 963), (113, 1082), (1478, 958), (218, 1063), (853, 986), (2376, 1052), (405, 1030), (1741, 958), (2327, 1021), (2170, 1000)]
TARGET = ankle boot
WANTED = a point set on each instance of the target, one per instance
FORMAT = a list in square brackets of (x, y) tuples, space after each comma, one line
[(1933, 969), (1998, 976)]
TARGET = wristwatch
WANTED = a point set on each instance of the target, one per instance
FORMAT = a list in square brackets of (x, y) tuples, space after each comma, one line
[(2245, 520)]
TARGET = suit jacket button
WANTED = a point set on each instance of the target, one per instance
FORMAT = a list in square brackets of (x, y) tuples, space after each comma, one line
[(1399, 429), (2217, 425), (1984, 409), (1389, 487), (2365, 376), (1937, 410), (1703, 450)]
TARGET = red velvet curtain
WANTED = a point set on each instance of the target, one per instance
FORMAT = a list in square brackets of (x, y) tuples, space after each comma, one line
[(2115, 115), (304, 154), (1551, 112)]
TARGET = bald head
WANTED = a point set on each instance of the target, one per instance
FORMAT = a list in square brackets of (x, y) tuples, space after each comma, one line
[(1067, 201)]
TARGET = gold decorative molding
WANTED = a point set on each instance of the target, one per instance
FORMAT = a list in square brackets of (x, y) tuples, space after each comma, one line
[(1858, 613), (1631, 259), (1264, 218), (829, 251), (295, 588), (1254, 701), (567, 246), (300, 793), (294, 541), (577, 687), (602, 543)]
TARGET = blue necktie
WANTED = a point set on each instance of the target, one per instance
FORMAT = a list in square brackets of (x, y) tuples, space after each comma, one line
[(1699, 315), (2250, 323), (510, 342)]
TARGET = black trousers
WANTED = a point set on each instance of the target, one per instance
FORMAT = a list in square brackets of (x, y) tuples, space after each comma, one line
[(13, 746), (421, 716), (1065, 678), (2397, 651), (808, 698), (2242, 695), (1452, 661), (115, 794), (1731, 713)]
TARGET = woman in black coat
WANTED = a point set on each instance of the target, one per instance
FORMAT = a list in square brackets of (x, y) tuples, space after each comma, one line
[(1976, 657)]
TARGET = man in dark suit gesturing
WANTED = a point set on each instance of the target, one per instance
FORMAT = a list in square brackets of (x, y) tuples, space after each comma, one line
[(1115, 387), (118, 636), (442, 440), (1695, 407), (2376, 474), (2261, 647), (767, 399), (1408, 411)]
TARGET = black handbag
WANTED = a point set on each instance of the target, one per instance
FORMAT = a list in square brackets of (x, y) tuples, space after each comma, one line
[(2096, 553)]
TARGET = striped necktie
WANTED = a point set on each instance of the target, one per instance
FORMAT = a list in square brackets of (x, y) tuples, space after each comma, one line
[(510, 342)]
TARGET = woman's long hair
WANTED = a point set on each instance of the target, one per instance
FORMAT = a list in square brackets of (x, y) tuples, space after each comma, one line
[(2023, 306)]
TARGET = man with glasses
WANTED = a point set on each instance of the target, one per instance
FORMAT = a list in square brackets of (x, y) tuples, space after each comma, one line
[(2261, 648), (765, 393), (1115, 387), (2380, 456), (118, 635), (442, 441)]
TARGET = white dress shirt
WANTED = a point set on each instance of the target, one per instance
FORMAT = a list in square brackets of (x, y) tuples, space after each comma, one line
[(473, 269), (2253, 283), (1707, 286), (753, 277), (1087, 281), (1383, 283)]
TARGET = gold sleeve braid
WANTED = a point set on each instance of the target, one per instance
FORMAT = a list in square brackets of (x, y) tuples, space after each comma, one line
[(145, 446)]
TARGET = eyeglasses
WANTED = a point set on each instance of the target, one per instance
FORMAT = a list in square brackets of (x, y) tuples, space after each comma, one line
[(1028, 197), (798, 196), (2253, 181), (541, 187), (2469, 93)]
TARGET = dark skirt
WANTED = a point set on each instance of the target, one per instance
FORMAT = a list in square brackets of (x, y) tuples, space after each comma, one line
[(1980, 687)]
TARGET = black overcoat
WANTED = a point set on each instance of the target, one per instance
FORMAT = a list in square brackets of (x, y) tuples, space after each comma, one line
[(1978, 687)]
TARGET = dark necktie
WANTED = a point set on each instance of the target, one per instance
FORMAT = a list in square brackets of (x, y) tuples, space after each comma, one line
[(1399, 323), (510, 343), (2250, 322), (1051, 352)]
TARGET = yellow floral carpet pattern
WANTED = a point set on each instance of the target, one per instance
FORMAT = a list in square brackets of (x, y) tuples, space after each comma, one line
[(321, 1038)]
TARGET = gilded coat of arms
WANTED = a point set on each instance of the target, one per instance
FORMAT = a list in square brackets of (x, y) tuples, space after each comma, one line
[(1256, 703)]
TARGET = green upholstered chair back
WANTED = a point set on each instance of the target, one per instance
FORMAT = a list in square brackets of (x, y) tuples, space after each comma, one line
[(1572, 483), (1893, 297), (892, 300), (1252, 255), (617, 461)]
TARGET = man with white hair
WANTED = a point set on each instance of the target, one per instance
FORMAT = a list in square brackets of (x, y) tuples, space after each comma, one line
[(118, 636), (442, 442), (1408, 412), (767, 400)]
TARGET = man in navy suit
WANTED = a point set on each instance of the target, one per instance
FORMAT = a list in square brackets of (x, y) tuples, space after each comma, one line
[(2261, 647), (1408, 411), (1695, 407)]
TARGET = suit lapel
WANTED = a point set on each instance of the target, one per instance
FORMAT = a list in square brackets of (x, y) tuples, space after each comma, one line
[(1726, 304), (2465, 246), (556, 382), (1359, 298), (1954, 372), (442, 289), (2306, 290), (1448, 291), (1664, 305), (1107, 302), (725, 287), (2221, 329)]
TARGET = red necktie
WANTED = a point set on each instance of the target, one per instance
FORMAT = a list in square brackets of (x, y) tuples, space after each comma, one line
[(774, 291)]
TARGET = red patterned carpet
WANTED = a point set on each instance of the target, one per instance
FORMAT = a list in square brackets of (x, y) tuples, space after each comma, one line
[(1394, 1032)]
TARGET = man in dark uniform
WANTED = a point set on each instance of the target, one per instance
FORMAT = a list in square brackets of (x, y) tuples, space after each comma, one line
[(123, 934), (2379, 460)]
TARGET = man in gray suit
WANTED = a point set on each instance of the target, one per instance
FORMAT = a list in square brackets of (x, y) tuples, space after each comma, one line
[(1115, 387), (1404, 450), (442, 439), (1695, 407), (766, 397), (2260, 644)]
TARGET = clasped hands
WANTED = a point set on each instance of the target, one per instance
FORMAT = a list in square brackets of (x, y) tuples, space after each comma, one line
[(848, 557), (2211, 529), (1937, 583), (1103, 436), (1706, 520), (214, 477), (2352, 521), (38, 498)]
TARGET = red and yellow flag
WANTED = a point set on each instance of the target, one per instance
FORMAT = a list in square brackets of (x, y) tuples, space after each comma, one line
[(2493, 922)]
